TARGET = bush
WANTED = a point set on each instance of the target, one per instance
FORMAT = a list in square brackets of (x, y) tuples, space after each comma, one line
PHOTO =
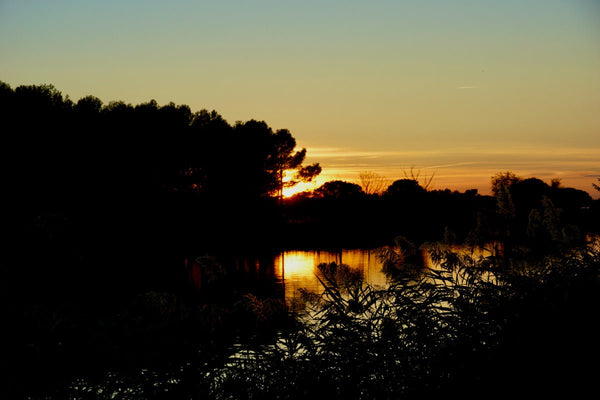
[(473, 327)]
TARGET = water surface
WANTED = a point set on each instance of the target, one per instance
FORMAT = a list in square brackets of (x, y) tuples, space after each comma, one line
[(283, 274), (298, 269)]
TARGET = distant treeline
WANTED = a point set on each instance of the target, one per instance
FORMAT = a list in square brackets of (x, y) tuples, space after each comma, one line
[(526, 211)]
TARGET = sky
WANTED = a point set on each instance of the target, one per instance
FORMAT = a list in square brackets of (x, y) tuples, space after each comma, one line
[(455, 89)]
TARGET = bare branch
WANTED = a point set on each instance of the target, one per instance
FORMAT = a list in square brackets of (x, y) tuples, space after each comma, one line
[(373, 183), (415, 175)]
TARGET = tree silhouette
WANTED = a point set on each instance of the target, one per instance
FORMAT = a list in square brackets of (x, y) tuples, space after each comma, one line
[(408, 188), (339, 190), (88, 105), (284, 158), (372, 183), (416, 176), (503, 180)]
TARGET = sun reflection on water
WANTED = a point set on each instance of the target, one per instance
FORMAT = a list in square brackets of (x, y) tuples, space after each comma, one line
[(293, 270), (298, 269)]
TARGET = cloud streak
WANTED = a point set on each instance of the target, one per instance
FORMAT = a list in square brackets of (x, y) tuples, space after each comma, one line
[(530, 152)]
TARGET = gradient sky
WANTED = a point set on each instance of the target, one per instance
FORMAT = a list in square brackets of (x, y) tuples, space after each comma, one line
[(462, 89)]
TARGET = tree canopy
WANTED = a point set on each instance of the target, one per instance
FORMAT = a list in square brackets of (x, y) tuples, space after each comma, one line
[(119, 148), (405, 188), (339, 190)]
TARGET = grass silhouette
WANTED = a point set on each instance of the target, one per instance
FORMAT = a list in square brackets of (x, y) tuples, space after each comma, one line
[(475, 326)]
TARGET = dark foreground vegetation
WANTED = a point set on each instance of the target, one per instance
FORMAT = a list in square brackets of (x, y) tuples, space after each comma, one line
[(103, 205), (473, 328)]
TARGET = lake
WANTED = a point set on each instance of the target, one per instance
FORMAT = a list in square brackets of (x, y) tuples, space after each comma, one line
[(283, 274)]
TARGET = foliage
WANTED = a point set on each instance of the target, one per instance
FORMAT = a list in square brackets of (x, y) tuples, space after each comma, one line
[(64, 145), (408, 188), (503, 180), (537, 218), (338, 190), (461, 329), (285, 158)]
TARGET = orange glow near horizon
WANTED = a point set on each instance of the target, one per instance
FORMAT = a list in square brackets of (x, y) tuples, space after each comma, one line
[(461, 168), (299, 188), (302, 186), (457, 178)]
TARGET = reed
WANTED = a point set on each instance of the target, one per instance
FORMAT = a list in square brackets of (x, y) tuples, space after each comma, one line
[(474, 327)]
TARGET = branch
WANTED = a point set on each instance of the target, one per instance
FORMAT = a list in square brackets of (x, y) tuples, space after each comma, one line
[(308, 173)]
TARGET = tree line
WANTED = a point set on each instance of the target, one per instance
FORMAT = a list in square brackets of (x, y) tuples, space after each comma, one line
[(523, 211), (67, 152)]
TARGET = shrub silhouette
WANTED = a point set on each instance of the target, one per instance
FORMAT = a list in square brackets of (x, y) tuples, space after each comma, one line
[(463, 329)]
